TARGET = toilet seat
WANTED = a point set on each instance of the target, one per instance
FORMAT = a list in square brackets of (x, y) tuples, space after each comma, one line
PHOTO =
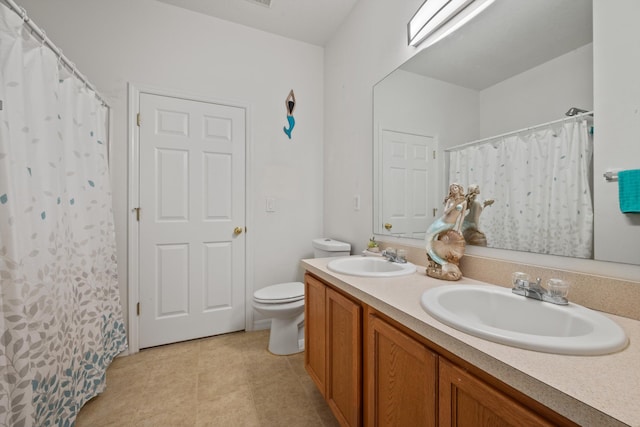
[(280, 293)]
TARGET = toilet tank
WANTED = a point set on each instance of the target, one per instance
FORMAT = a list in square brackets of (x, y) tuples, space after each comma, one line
[(323, 248)]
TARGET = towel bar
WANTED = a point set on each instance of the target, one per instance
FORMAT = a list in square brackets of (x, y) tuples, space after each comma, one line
[(611, 175)]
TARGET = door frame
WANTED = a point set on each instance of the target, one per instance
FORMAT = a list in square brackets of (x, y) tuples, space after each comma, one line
[(133, 182)]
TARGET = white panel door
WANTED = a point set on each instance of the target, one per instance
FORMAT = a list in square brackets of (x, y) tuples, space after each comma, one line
[(408, 169), (192, 201)]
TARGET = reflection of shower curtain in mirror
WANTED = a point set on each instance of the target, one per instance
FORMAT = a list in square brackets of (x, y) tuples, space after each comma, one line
[(540, 180), (60, 316)]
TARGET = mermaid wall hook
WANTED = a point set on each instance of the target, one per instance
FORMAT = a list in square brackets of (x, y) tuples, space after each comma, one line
[(290, 103)]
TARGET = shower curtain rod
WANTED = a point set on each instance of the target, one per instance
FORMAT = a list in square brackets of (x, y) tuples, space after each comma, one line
[(553, 122), (45, 40)]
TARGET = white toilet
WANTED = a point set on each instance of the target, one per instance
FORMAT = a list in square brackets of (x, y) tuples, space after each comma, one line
[(284, 303)]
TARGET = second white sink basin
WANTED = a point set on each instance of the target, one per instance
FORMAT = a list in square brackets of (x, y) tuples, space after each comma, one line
[(496, 314), (370, 267)]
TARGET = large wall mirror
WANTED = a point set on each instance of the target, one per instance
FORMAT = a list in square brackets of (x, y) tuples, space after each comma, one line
[(516, 66)]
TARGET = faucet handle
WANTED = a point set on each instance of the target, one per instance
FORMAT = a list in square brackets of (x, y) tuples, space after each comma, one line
[(558, 288), (520, 279)]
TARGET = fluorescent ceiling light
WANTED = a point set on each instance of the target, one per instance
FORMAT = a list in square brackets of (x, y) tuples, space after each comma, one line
[(434, 14), (266, 3)]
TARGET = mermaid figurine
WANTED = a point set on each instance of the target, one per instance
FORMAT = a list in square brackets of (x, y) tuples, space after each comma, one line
[(290, 103), (444, 242)]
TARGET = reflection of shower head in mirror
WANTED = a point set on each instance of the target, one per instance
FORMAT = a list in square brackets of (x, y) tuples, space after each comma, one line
[(573, 111)]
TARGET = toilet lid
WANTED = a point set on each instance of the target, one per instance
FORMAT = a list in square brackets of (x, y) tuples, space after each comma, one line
[(282, 292)]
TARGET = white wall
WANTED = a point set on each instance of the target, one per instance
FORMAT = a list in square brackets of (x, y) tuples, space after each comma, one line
[(617, 123), (151, 43), (539, 95), (372, 41)]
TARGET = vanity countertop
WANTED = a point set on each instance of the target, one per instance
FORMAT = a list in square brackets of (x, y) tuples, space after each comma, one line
[(590, 390)]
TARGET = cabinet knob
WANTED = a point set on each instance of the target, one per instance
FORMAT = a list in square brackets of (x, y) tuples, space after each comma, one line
[(388, 226), (237, 230)]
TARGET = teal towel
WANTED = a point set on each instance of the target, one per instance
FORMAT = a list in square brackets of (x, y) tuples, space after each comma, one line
[(629, 190)]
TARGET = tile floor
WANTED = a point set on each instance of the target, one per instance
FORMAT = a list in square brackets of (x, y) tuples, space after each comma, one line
[(228, 380)]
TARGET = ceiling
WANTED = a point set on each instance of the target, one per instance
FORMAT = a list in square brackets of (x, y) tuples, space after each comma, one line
[(508, 38), (310, 21)]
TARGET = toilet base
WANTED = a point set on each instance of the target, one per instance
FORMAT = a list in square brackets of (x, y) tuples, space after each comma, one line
[(283, 337)]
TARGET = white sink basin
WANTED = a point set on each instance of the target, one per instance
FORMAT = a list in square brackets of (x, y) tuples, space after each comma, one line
[(370, 267), (496, 314)]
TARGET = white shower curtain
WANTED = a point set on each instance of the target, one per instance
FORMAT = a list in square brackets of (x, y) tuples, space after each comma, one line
[(540, 181), (61, 321)]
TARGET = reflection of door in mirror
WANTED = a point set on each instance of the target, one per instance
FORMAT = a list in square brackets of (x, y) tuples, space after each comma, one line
[(408, 167)]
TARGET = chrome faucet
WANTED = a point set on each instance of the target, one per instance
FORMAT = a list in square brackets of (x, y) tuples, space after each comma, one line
[(535, 290), (392, 256)]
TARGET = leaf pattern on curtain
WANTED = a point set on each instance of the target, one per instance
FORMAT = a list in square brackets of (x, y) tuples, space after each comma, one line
[(60, 314), (541, 183)]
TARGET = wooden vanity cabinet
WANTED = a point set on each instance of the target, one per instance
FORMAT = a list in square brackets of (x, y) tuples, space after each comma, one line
[(401, 378), (333, 355), (468, 401), (315, 341)]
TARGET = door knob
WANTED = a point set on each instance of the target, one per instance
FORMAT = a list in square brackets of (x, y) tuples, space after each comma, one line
[(237, 230), (388, 226)]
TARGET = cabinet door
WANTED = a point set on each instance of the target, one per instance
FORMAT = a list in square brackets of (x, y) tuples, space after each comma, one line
[(344, 358), (401, 378), (314, 331), (468, 401)]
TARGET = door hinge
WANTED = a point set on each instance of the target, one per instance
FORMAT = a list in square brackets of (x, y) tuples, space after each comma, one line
[(434, 151), (138, 120), (138, 309), (434, 211), (137, 214)]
